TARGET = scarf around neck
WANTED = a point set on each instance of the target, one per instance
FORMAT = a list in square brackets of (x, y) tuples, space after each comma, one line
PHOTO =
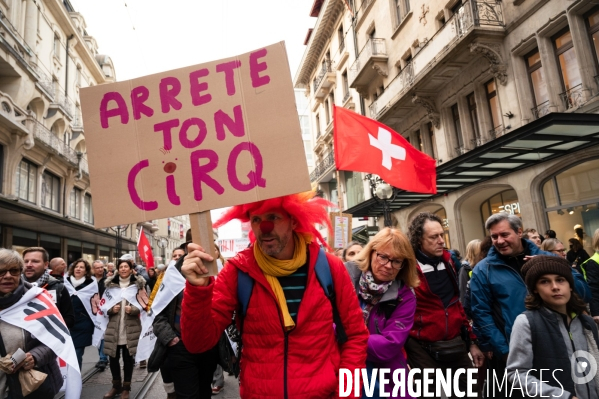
[(76, 283), (42, 281), (273, 268), (11, 298), (371, 292)]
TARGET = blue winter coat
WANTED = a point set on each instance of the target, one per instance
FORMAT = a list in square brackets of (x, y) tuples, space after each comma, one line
[(498, 293), (82, 331)]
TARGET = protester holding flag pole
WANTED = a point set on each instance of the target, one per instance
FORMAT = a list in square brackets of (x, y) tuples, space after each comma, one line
[(83, 290), (124, 327), (31, 324)]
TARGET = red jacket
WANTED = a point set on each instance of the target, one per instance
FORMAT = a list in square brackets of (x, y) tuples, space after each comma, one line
[(432, 321), (303, 363)]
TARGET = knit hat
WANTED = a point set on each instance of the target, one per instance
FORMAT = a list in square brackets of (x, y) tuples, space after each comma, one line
[(541, 265)]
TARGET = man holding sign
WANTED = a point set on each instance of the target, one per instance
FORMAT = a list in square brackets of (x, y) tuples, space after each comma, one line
[(288, 350)]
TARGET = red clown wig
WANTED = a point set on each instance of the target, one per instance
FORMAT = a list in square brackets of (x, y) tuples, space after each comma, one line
[(305, 208)]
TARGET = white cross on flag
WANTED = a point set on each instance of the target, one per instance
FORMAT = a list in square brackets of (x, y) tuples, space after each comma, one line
[(145, 250), (365, 145)]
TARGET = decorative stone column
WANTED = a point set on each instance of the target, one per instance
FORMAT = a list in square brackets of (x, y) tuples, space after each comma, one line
[(31, 24)]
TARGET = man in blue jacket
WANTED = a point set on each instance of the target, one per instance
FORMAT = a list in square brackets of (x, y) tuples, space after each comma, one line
[(497, 286)]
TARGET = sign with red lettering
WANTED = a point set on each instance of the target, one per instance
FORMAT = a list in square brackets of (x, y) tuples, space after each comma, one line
[(193, 139)]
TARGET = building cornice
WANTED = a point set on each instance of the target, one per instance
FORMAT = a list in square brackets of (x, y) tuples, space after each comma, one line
[(63, 18), (323, 30)]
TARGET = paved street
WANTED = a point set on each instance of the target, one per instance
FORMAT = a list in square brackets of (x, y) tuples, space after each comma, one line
[(101, 382)]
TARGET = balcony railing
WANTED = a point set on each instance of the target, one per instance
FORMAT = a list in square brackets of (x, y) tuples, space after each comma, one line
[(472, 13), (44, 81), (488, 13), (540, 110), (394, 90), (346, 96), (44, 135), (322, 167), (324, 69), (572, 98), (373, 47), (63, 101), (14, 43), (84, 165)]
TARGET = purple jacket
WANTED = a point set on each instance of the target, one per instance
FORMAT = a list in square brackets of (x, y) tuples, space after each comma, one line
[(388, 336)]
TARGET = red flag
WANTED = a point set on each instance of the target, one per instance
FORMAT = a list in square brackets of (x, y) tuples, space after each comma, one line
[(365, 145), (145, 250)]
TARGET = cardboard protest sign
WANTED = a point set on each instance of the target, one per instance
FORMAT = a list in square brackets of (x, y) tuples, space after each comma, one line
[(341, 223), (197, 138)]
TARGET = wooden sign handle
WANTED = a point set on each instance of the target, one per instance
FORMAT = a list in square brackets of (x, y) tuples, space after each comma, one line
[(201, 233)]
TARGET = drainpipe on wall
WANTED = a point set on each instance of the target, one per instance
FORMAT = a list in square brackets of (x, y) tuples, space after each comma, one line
[(66, 70)]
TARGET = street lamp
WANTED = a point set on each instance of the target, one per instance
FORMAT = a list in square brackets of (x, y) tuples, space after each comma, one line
[(383, 193), (119, 230)]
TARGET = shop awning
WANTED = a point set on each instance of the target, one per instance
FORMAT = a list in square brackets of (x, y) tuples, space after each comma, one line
[(14, 213), (547, 138)]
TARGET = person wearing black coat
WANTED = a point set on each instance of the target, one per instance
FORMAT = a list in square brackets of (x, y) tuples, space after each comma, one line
[(576, 255), (80, 276)]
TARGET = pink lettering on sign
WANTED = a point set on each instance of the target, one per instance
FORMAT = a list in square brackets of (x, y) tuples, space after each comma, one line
[(169, 90), (196, 87), (235, 125), (139, 95), (167, 136), (228, 68), (257, 67), (255, 177), (202, 132), (120, 110), (200, 173), (171, 191), (135, 198)]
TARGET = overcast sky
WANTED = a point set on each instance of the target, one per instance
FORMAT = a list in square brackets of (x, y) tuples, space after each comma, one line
[(149, 36), (177, 33)]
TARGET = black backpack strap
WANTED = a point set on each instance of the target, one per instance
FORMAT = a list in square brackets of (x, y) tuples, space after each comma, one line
[(323, 273)]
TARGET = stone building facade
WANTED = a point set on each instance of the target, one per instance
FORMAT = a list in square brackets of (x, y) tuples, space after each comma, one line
[(46, 57), (502, 94)]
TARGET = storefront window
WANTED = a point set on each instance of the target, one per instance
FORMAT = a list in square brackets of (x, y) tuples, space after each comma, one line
[(505, 201), (104, 253), (22, 239), (73, 251), (572, 198), (51, 244), (89, 252)]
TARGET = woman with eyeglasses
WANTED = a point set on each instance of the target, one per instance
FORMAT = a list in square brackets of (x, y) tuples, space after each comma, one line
[(384, 274), (555, 246), (38, 356)]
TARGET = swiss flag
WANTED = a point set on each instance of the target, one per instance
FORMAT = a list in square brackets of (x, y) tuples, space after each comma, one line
[(145, 250), (365, 145)]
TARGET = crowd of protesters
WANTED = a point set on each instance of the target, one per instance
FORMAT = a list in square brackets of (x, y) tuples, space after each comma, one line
[(399, 302)]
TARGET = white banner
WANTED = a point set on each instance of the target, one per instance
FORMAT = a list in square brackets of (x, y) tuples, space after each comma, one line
[(111, 297), (88, 295), (36, 313), (172, 284)]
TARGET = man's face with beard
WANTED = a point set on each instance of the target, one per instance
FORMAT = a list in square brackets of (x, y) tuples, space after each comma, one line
[(34, 266), (278, 242)]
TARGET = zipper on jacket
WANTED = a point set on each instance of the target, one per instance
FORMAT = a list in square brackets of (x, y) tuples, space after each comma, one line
[(285, 364)]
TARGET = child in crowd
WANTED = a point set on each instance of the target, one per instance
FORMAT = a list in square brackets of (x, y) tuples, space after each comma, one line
[(552, 335)]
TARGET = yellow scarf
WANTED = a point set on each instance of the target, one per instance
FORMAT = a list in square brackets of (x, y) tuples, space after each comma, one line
[(273, 268), (155, 289)]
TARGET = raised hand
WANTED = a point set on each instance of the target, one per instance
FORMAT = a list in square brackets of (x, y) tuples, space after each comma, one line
[(193, 268)]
